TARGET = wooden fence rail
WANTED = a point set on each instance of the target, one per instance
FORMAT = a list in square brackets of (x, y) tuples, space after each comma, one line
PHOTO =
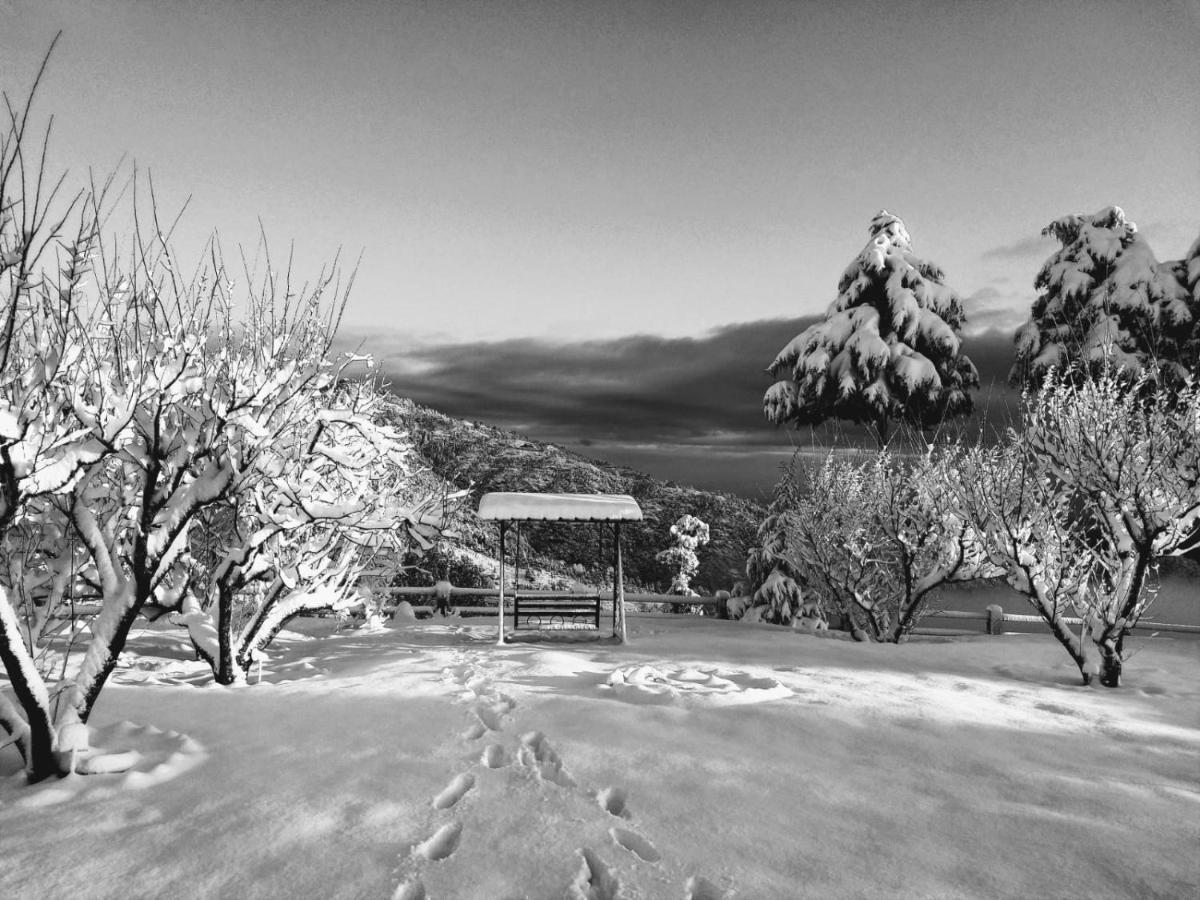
[(993, 618)]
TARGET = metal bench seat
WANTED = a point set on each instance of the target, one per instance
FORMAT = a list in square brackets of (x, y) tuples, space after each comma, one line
[(564, 611)]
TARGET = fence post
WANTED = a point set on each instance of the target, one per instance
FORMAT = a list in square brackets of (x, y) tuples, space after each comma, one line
[(995, 619), (441, 593), (722, 604)]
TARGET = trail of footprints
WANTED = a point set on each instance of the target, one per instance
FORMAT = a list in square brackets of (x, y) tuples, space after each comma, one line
[(594, 880)]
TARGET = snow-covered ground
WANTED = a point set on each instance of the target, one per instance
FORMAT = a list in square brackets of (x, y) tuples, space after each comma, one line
[(705, 759)]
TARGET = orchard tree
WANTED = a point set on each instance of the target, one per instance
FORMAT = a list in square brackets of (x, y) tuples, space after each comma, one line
[(1130, 453), (1077, 508), (1027, 523), (44, 268), (133, 402), (873, 539), (180, 409), (1104, 300), (888, 350), (337, 490)]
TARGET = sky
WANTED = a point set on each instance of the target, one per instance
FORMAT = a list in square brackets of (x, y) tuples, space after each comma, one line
[(599, 221)]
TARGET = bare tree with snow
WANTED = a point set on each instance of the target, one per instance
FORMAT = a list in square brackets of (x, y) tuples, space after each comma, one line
[(1077, 508), (888, 350), (44, 269), (1104, 300), (338, 489), (873, 539)]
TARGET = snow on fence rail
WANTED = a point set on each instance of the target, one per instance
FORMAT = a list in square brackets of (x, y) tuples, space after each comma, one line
[(993, 618)]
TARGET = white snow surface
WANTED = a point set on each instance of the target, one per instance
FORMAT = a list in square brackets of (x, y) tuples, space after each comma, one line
[(704, 759), (510, 505)]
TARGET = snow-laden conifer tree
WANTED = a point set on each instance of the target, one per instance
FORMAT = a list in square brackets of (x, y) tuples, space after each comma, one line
[(888, 349), (1104, 299), (773, 581), (689, 534), (1189, 269)]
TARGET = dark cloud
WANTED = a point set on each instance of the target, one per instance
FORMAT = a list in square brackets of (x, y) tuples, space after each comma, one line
[(990, 308), (633, 389), (688, 409), (1034, 245)]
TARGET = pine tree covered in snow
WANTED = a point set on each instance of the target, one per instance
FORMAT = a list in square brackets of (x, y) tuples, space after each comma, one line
[(771, 572), (1104, 298), (689, 534), (1189, 270), (888, 349)]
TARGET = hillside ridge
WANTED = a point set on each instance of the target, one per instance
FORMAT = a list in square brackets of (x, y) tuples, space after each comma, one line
[(489, 458)]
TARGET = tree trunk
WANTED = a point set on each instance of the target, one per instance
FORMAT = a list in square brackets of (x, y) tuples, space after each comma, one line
[(108, 640), (223, 665), (39, 743), (881, 431), (1075, 646), (1110, 650)]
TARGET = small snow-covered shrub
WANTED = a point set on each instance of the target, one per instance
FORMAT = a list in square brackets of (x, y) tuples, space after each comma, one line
[(689, 534)]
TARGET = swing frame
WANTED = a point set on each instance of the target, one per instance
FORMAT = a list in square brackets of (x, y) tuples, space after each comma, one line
[(508, 508)]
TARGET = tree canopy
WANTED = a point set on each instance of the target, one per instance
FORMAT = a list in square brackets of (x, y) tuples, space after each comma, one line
[(888, 349), (1104, 299)]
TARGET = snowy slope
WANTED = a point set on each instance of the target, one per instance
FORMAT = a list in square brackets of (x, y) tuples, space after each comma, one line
[(705, 759)]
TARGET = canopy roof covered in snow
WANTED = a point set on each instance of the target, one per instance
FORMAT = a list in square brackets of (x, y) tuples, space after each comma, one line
[(512, 506)]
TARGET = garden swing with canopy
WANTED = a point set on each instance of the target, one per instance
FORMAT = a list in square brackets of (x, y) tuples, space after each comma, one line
[(511, 508)]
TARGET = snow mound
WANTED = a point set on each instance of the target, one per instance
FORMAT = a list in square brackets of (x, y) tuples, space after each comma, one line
[(645, 683), (152, 757)]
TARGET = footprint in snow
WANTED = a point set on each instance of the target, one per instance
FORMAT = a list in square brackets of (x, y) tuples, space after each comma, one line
[(537, 754), (612, 801), (635, 844), (454, 791), (494, 756), (474, 731), (410, 890), (492, 714), (594, 881), (442, 843), (702, 889)]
